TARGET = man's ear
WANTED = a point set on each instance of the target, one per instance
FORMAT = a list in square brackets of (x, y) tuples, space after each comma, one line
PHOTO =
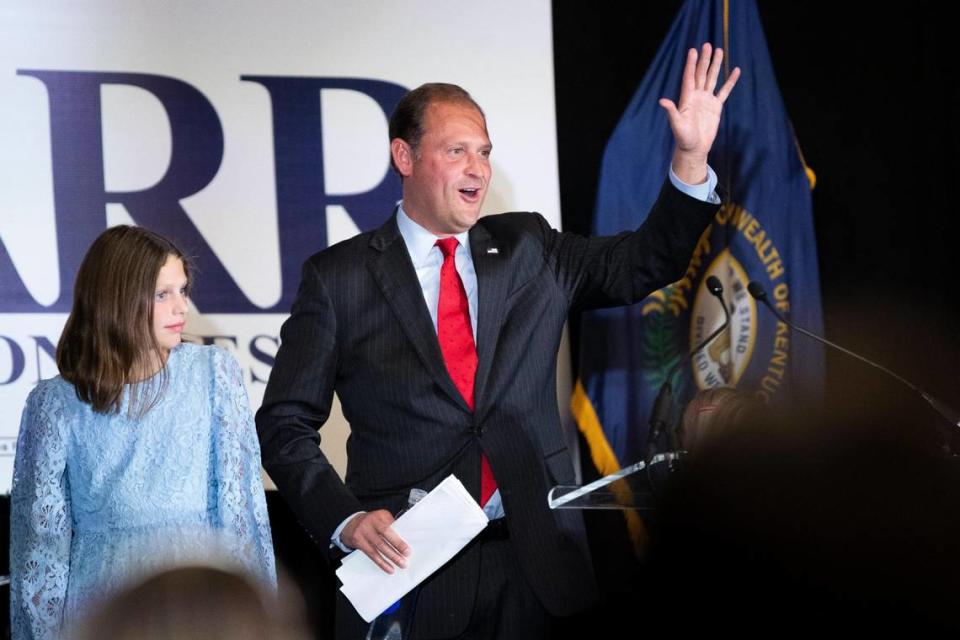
[(402, 154)]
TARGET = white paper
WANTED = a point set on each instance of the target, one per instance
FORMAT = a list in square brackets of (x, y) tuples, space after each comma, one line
[(436, 528)]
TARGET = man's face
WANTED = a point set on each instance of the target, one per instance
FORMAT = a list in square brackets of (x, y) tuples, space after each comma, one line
[(446, 178)]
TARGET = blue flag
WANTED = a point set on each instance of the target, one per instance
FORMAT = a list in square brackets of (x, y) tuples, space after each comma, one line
[(763, 232)]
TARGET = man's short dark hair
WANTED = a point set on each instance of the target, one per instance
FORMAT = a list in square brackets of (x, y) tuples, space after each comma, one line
[(406, 122)]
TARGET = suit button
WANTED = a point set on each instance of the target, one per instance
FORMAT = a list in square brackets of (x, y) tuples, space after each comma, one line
[(477, 430)]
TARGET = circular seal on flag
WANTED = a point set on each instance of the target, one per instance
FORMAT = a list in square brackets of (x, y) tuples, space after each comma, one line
[(723, 361)]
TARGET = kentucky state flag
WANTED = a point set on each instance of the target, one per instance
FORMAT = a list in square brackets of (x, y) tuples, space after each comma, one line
[(763, 232)]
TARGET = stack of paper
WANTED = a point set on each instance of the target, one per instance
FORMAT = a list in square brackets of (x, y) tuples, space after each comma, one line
[(436, 528)]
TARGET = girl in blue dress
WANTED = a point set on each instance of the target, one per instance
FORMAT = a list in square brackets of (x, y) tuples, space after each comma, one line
[(140, 455)]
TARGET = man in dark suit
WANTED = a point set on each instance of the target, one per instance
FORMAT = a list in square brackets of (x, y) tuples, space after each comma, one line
[(439, 332)]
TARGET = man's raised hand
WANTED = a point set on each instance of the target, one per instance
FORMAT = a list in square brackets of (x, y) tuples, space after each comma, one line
[(696, 119)]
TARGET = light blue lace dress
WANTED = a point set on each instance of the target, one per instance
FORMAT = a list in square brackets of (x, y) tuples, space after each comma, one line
[(99, 501)]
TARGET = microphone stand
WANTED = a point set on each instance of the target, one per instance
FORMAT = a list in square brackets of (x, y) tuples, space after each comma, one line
[(663, 405), (947, 413)]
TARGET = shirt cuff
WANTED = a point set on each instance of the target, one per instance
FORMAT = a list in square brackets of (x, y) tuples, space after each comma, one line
[(335, 538), (494, 506), (705, 191)]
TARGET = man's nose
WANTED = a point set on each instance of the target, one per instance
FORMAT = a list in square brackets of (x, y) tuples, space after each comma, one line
[(475, 165)]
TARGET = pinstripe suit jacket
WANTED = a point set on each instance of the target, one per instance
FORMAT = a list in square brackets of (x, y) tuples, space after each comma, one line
[(359, 326)]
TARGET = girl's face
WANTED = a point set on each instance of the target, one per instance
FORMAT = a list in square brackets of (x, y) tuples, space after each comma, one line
[(170, 304)]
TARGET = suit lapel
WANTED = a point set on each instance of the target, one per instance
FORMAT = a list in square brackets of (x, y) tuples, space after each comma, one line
[(490, 260), (393, 271)]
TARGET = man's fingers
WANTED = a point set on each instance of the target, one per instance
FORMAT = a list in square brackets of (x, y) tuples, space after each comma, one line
[(396, 542), (374, 535), (729, 84), (377, 549), (689, 83), (669, 106), (388, 551), (354, 534), (391, 545), (714, 72), (374, 554), (703, 64)]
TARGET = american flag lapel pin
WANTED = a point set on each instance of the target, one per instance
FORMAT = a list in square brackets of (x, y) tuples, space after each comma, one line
[(493, 250)]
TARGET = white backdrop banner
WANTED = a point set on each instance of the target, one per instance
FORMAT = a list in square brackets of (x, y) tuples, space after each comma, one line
[(253, 134)]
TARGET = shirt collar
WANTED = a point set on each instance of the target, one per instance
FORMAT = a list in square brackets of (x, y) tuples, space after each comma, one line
[(419, 241)]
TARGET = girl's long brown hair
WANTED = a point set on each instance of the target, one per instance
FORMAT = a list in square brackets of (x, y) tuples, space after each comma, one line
[(108, 339)]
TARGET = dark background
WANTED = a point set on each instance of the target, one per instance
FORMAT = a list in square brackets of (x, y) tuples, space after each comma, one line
[(873, 97)]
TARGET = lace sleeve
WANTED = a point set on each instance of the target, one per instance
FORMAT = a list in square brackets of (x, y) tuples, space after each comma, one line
[(241, 504), (40, 520)]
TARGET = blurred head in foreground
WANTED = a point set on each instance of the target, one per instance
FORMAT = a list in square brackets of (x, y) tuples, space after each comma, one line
[(714, 414), (193, 603), (807, 522)]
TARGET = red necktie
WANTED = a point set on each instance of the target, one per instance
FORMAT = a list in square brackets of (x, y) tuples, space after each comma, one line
[(456, 343)]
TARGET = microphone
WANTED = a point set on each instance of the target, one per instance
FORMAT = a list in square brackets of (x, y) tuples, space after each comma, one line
[(663, 405), (949, 414), (714, 287)]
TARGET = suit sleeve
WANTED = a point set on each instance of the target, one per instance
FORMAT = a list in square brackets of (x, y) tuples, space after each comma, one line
[(625, 268), (296, 404)]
